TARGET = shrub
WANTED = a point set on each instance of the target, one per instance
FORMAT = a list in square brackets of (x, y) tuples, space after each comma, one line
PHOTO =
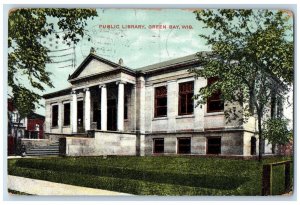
[(137, 187), (185, 179)]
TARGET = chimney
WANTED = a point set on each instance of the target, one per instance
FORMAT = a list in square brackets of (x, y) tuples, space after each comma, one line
[(93, 50), (121, 63)]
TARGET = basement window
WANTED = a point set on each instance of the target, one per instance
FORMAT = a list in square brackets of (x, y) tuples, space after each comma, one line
[(214, 145), (67, 114), (160, 101), (54, 115), (158, 145), (184, 145)]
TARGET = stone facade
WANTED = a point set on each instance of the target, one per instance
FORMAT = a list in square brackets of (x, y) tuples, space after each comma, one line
[(118, 104)]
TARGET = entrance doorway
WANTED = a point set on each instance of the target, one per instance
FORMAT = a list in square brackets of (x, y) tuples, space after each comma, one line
[(112, 114), (80, 116), (97, 115)]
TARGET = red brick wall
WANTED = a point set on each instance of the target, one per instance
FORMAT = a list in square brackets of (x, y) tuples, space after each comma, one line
[(10, 145), (31, 126), (286, 150)]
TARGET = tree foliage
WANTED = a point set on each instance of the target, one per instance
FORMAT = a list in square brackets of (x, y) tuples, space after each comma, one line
[(276, 131), (28, 57), (252, 58)]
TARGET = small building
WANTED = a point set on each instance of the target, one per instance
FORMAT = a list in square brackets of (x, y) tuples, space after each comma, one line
[(35, 126), (31, 127), (146, 111)]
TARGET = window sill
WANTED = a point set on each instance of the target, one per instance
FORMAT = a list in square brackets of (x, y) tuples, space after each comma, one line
[(56, 127), (159, 118), (213, 113), (66, 126), (185, 116)]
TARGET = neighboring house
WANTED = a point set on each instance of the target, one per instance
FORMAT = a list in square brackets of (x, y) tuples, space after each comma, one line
[(146, 111), (15, 127), (35, 126), (32, 127)]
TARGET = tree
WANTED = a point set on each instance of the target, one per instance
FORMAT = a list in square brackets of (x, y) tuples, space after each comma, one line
[(27, 57), (251, 58), (276, 131)]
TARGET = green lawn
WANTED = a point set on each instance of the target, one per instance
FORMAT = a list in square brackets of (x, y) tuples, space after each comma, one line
[(167, 175)]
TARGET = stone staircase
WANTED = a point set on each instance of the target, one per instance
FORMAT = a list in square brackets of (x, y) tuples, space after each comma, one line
[(50, 150)]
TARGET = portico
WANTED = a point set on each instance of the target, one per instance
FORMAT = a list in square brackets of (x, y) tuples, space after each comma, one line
[(109, 98)]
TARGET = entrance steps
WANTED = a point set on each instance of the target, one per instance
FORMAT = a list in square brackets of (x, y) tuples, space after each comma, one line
[(52, 149)]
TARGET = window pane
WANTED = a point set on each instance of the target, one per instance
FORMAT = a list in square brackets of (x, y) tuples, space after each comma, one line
[(161, 91), (161, 101), (161, 111), (67, 114), (158, 145), (182, 104), (214, 102), (215, 106), (54, 115), (214, 145), (190, 103), (184, 145), (186, 93)]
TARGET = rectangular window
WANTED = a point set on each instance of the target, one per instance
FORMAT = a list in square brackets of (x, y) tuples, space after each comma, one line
[(184, 145), (214, 102), (160, 101), (186, 102), (158, 145), (54, 115), (214, 145), (67, 108), (126, 107)]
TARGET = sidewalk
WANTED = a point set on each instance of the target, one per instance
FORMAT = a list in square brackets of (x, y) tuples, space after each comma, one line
[(40, 187)]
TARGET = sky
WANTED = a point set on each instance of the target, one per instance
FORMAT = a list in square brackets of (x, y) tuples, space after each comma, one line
[(137, 47)]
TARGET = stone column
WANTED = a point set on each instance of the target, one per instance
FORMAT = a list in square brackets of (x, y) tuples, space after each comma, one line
[(74, 112), (141, 105), (120, 121), (87, 110), (103, 107), (60, 117)]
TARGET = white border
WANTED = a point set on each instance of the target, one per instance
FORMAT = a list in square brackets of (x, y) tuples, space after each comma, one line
[(204, 3)]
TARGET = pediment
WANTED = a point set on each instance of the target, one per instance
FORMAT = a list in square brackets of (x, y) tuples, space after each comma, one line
[(93, 65)]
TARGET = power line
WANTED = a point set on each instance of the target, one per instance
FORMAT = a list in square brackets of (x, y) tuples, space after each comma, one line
[(61, 55), (62, 49), (71, 65), (62, 61)]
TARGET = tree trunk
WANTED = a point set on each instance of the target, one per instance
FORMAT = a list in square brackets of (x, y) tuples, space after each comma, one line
[(260, 146)]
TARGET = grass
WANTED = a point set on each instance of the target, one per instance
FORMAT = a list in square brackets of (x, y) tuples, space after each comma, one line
[(278, 180), (167, 175)]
